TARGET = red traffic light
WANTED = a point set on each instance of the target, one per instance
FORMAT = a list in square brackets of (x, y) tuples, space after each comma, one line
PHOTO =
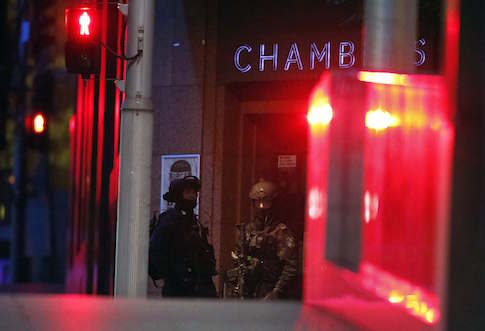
[(81, 24), (38, 123), (36, 127), (82, 48)]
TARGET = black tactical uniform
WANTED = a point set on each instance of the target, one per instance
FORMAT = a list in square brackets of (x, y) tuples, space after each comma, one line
[(180, 253)]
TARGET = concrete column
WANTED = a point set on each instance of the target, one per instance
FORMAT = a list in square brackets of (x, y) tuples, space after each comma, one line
[(131, 266)]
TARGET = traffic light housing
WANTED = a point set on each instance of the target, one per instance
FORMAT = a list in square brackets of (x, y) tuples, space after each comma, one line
[(82, 49)]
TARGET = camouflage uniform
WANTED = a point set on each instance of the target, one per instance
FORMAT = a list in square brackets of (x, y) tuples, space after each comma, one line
[(272, 260)]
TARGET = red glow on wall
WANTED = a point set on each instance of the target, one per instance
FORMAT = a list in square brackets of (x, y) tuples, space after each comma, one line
[(94, 154)]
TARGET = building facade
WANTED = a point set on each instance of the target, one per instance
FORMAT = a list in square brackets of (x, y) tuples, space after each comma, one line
[(231, 83)]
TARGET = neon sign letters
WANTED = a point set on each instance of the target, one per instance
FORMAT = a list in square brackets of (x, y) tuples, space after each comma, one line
[(268, 58)]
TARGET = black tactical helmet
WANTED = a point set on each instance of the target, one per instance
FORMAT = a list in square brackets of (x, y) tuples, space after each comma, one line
[(177, 187)]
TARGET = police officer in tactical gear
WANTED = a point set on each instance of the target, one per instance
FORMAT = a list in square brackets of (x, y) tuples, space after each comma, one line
[(270, 248), (180, 253)]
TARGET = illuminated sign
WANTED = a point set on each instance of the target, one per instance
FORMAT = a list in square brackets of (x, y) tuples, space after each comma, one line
[(268, 56)]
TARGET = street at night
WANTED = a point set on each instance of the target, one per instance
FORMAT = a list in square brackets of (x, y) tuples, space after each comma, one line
[(235, 165)]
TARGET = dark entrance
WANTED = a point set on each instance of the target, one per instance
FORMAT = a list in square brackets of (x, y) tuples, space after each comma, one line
[(275, 148)]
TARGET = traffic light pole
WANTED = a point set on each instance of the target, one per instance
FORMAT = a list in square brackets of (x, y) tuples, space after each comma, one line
[(131, 266)]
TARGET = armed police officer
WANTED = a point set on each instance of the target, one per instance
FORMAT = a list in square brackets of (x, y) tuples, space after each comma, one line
[(180, 253), (268, 249)]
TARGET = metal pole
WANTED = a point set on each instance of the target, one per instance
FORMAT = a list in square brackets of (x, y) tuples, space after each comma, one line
[(131, 266), (390, 35)]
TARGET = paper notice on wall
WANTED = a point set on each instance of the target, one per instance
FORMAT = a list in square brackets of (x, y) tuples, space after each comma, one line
[(286, 161)]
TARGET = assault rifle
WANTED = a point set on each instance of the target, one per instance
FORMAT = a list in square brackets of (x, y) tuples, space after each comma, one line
[(236, 276)]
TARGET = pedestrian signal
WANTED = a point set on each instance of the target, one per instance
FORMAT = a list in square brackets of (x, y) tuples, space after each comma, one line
[(82, 49)]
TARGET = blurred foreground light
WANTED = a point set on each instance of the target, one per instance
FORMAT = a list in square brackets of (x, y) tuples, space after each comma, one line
[(320, 113), (396, 297), (72, 124), (417, 301), (379, 120), (371, 206), (316, 203), (383, 78)]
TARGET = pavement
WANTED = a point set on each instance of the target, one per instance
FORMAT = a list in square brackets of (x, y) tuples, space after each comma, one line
[(81, 312)]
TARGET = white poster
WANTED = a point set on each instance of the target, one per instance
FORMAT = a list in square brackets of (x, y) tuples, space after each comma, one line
[(286, 161), (177, 166)]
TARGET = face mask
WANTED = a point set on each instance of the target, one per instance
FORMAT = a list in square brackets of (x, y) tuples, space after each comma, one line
[(188, 205)]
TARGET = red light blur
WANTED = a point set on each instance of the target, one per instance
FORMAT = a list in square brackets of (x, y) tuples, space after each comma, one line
[(316, 203), (380, 120), (316, 208), (383, 78), (405, 188), (39, 123), (320, 111), (72, 124), (399, 80), (416, 300), (408, 168), (371, 206)]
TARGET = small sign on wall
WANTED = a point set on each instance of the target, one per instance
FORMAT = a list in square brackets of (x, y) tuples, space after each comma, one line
[(177, 166), (286, 161)]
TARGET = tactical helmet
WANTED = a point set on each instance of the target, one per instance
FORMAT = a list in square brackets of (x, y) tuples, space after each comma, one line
[(263, 190), (177, 187)]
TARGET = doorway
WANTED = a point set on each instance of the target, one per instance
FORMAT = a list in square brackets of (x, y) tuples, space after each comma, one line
[(274, 147)]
